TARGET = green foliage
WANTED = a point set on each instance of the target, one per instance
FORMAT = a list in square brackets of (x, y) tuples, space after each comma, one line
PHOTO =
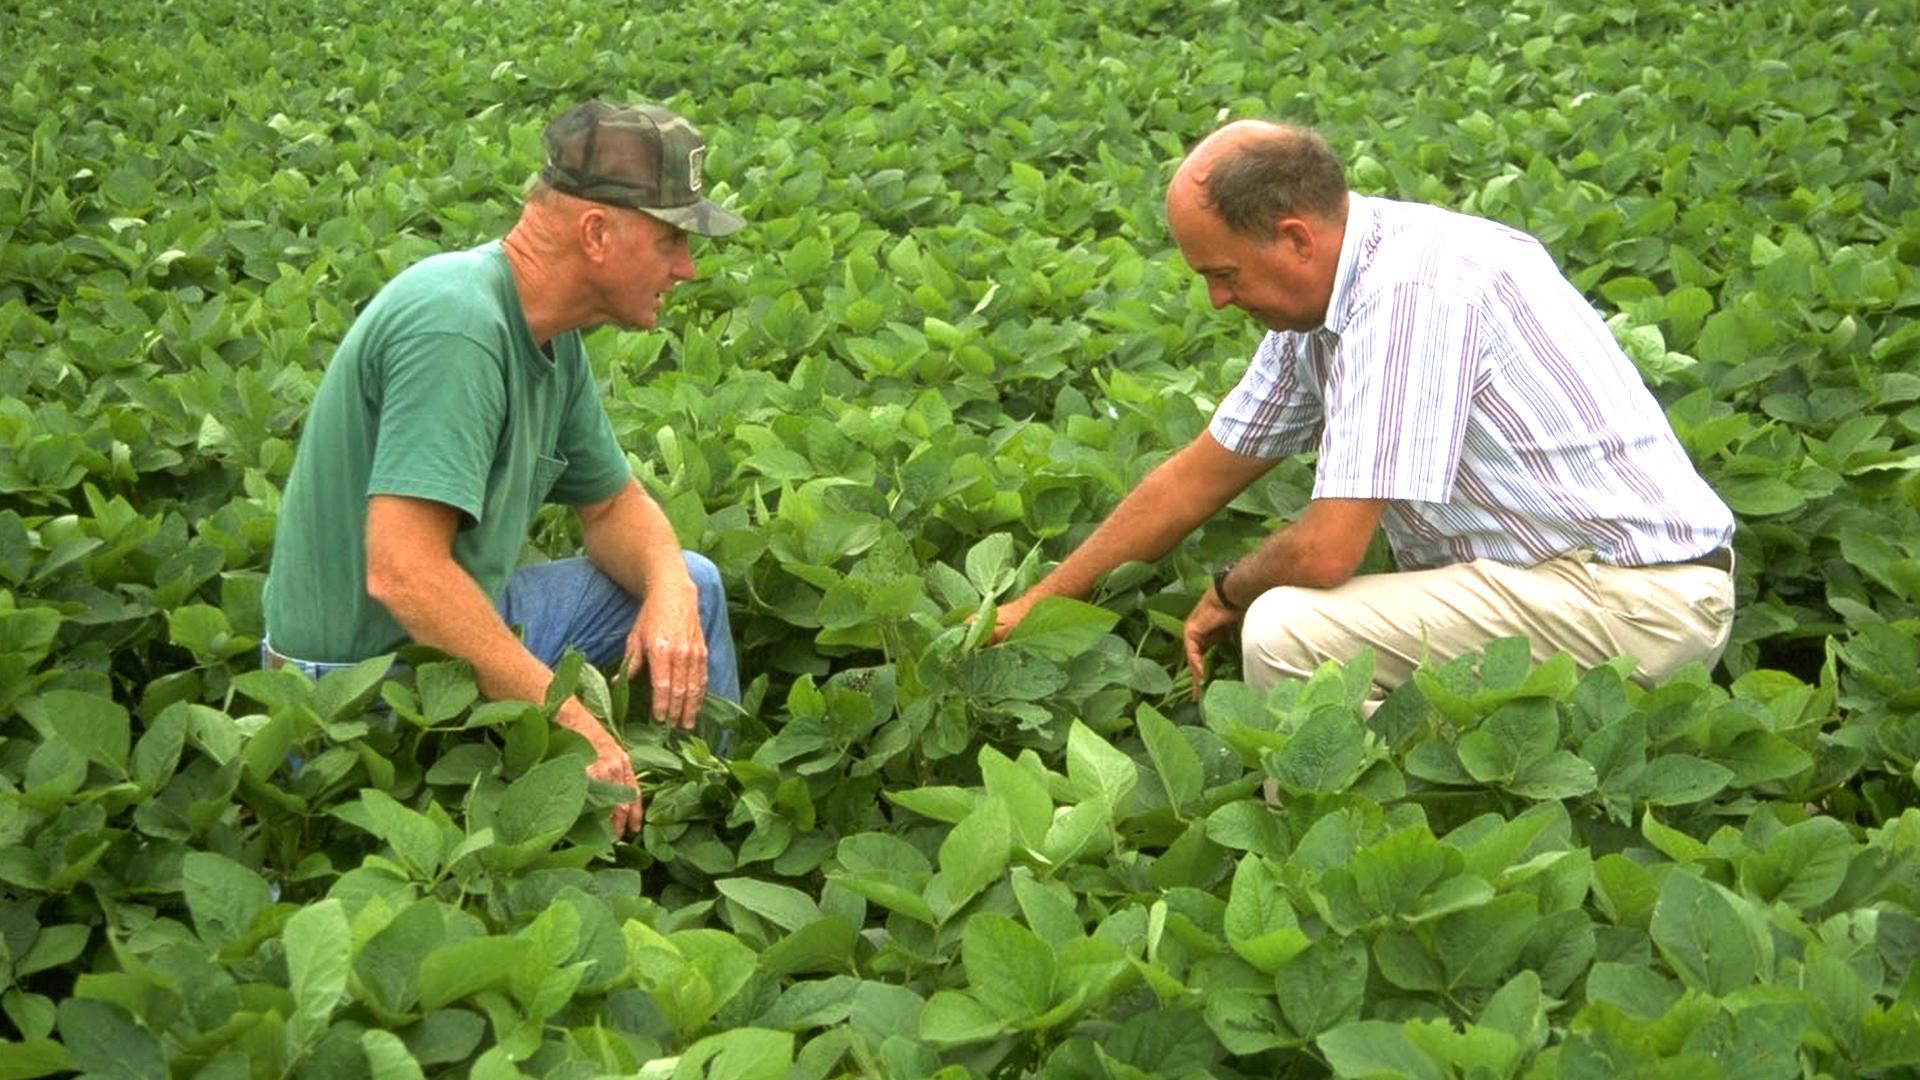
[(954, 334)]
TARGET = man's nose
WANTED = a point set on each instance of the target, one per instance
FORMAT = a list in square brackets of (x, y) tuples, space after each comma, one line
[(1219, 295)]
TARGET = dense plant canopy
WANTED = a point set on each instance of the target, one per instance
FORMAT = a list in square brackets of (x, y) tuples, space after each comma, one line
[(953, 335)]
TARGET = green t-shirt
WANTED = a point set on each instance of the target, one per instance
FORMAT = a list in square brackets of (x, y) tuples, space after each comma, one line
[(438, 392)]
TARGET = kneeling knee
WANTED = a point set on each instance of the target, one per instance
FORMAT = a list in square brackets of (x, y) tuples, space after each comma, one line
[(1275, 635), (705, 575)]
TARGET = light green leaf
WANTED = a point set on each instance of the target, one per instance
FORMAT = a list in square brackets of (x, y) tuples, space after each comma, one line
[(952, 1017), (33, 1058), (1802, 866), (96, 726), (350, 689), (388, 1057), (542, 805), (1084, 830), (1376, 1048), (739, 1054), (1260, 922), (990, 565), (1248, 825), (1671, 842), (1060, 629), (1702, 931), (317, 943), (1478, 947), (1559, 775), (943, 802), (1322, 755), (974, 854), (413, 835), (1009, 969), (1173, 758), (223, 896), (1635, 990), (459, 968), (785, 907), (1323, 987), (1095, 768), (105, 1042), (1760, 496), (1029, 807), (1677, 779)]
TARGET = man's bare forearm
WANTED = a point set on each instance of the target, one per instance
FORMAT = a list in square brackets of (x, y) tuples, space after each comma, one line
[(629, 539), (1320, 551), (412, 573)]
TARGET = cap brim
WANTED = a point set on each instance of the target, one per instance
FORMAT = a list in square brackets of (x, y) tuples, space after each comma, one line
[(704, 218)]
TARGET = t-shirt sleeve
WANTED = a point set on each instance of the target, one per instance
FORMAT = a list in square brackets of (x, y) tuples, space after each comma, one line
[(1272, 412), (441, 406), (1398, 397), (596, 466)]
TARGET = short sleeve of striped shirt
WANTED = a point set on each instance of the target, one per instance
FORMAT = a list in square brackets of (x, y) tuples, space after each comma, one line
[(1272, 412), (1398, 394)]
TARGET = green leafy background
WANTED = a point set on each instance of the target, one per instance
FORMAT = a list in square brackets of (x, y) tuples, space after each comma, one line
[(953, 335)]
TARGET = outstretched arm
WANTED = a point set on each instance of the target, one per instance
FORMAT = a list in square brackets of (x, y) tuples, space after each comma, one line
[(1185, 490)]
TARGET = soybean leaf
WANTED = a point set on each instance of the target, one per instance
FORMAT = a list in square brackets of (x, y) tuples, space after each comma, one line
[(1095, 768), (785, 907), (1323, 987), (542, 805), (387, 1057), (952, 1018), (1029, 807), (1322, 755), (1061, 629), (1260, 922), (1676, 779), (1702, 931), (223, 896), (1376, 1048), (317, 943), (1802, 865), (1009, 969), (974, 854), (1173, 758), (104, 1041)]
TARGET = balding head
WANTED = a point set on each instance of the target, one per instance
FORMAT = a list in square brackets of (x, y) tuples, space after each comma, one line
[(1260, 211), (1251, 173)]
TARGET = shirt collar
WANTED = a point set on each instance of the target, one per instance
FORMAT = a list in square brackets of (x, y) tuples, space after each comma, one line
[(1361, 222)]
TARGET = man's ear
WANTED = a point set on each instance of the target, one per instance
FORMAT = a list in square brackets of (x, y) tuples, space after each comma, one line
[(596, 231), (1296, 236)]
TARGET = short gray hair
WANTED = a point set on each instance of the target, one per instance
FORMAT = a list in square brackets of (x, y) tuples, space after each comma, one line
[(1287, 171)]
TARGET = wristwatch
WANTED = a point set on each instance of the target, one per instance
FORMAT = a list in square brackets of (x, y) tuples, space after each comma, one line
[(1220, 587)]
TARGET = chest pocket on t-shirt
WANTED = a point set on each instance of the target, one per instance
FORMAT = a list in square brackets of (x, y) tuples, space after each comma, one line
[(546, 471)]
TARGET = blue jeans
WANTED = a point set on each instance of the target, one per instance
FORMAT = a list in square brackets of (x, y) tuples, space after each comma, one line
[(568, 603)]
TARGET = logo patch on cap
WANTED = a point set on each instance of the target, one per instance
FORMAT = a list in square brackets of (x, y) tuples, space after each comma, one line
[(696, 157)]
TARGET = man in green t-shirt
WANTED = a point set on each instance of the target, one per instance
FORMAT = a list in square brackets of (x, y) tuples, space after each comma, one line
[(460, 402)]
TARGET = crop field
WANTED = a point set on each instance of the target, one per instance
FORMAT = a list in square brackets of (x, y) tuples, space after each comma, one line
[(954, 333)]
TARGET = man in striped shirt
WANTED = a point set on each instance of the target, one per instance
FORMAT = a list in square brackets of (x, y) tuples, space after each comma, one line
[(1459, 393)]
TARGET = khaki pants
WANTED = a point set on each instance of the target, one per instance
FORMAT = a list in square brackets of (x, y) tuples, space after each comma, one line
[(1663, 616)]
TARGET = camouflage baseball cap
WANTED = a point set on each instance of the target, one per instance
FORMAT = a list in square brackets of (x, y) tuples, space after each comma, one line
[(639, 156)]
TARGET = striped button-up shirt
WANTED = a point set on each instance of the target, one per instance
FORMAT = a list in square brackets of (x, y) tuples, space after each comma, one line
[(1462, 377)]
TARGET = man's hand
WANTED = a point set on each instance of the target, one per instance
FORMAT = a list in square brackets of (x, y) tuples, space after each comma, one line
[(1008, 615), (1209, 623), (666, 641), (612, 766)]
